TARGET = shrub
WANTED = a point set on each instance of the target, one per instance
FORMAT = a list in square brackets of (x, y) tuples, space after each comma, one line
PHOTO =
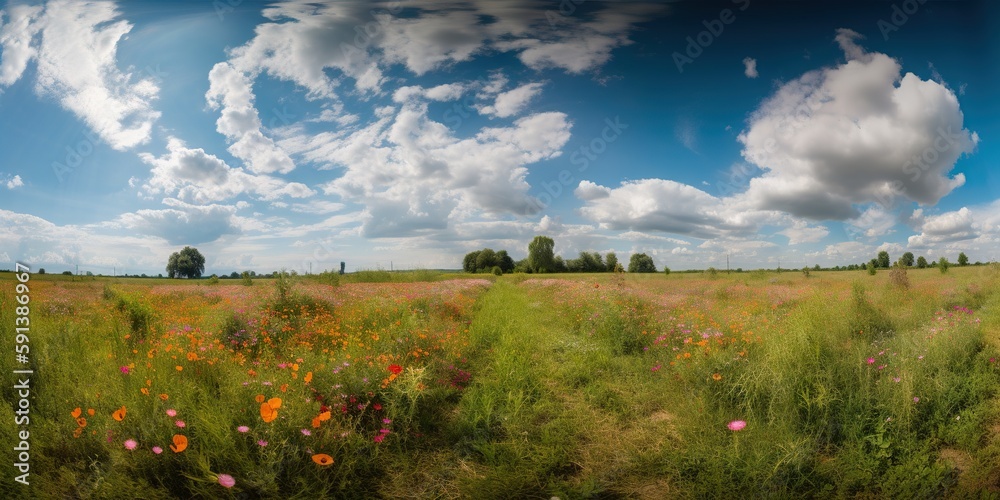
[(213, 280), (247, 280), (943, 265), (897, 275), (871, 270), (496, 271)]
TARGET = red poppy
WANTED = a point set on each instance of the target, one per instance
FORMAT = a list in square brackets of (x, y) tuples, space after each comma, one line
[(395, 369)]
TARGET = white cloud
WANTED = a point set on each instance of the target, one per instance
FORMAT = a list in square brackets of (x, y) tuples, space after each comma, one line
[(665, 206), (198, 177), (750, 67), (800, 232), (513, 101), (945, 228), (184, 224), (231, 91), (856, 133), (14, 182), (414, 175), (74, 45)]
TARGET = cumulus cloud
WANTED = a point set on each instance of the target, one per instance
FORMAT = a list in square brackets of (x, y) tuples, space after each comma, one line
[(512, 102), (14, 182), (857, 133), (665, 206), (184, 224), (74, 45), (945, 228), (198, 177), (414, 175), (801, 232), (750, 67)]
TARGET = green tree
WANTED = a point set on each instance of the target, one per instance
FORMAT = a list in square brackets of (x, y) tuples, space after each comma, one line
[(666, 270), (487, 260), (188, 263), (921, 262), (506, 263), (611, 261), (962, 259), (469, 262), (541, 257), (641, 263), (907, 259), (883, 260), (943, 265)]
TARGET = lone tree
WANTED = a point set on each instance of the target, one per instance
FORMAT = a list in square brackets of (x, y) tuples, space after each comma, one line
[(907, 259), (962, 259), (883, 260), (641, 263), (188, 263), (541, 257), (921, 262)]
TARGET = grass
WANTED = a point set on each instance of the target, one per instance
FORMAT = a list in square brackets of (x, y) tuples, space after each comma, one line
[(429, 385)]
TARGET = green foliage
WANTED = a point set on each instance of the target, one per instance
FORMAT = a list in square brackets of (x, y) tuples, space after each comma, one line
[(883, 260), (247, 279), (921, 262), (943, 265), (907, 259), (611, 261), (541, 255), (188, 263), (871, 270), (641, 263), (963, 260), (213, 280), (666, 270)]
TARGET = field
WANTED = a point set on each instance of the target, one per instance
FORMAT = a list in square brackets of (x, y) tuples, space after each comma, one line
[(522, 386)]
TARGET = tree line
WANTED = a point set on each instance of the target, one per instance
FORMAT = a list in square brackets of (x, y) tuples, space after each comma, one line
[(542, 259)]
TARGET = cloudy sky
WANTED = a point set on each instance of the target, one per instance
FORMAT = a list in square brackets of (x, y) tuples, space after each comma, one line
[(294, 134)]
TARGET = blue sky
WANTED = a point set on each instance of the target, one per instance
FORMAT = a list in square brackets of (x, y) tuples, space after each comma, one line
[(302, 134)]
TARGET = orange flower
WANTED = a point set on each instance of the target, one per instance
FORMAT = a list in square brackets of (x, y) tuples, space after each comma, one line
[(284, 387), (144, 391), (180, 443), (259, 398), (716, 377), (77, 432), (164, 397), (179, 367), (82, 422), (267, 413), (76, 412), (149, 382), (323, 417), (119, 414), (274, 403), (315, 423), (192, 356), (323, 459), (90, 411), (309, 377)]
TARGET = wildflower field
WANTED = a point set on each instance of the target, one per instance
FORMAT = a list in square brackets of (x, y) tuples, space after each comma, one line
[(454, 386)]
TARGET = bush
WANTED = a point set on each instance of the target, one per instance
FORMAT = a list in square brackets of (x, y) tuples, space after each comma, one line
[(897, 275), (247, 280), (871, 270), (213, 280), (497, 271), (943, 265)]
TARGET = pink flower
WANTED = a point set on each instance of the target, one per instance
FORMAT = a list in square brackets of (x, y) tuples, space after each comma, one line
[(262, 442), (157, 450), (171, 412), (180, 423), (916, 399), (871, 361), (379, 438), (737, 425), (306, 432), (124, 369), (386, 421), (243, 429), (130, 444), (226, 480)]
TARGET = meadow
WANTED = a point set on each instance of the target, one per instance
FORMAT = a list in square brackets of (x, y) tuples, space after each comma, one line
[(429, 385)]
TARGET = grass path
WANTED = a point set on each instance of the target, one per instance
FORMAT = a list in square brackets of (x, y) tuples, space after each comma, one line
[(550, 412)]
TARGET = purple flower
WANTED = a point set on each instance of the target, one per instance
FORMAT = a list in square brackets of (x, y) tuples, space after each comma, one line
[(243, 429), (226, 480), (262, 443)]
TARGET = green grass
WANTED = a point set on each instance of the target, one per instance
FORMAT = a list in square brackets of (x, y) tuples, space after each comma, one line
[(579, 386)]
